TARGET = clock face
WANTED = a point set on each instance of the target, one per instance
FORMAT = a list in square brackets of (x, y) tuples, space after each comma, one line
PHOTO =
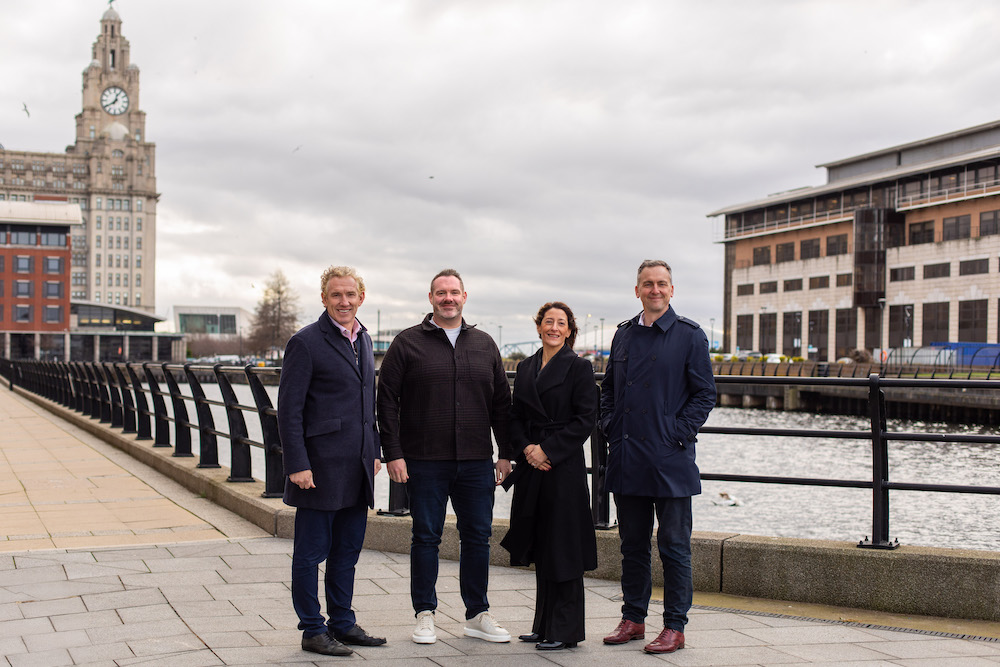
[(114, 100)]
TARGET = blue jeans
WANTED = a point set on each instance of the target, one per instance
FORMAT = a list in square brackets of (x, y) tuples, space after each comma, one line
[(470, 485), (335, 537), (673, 540)]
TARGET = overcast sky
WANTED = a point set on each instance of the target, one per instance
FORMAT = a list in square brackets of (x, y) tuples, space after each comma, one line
[(542, 148)]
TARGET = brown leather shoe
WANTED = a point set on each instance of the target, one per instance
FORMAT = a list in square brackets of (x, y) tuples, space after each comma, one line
[(626, 632), (667, 641)]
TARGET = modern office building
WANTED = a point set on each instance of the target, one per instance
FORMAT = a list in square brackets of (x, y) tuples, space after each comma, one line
[(109, 172), (900, 248), (216, 321)]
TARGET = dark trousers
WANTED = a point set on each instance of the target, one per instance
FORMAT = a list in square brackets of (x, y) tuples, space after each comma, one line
[(335, 537), (559, 613), (470, 486), (673, 540)]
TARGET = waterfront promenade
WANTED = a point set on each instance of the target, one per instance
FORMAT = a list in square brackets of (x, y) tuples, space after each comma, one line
[(104, 561)]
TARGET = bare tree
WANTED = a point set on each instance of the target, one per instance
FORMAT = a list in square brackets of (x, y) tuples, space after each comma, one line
[(276, 316)]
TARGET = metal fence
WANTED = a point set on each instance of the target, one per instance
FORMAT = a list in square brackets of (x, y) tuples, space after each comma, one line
[(129, 396)]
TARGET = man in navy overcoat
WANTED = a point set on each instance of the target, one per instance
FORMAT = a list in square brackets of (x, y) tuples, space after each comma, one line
[(657, 392), (330, 446)]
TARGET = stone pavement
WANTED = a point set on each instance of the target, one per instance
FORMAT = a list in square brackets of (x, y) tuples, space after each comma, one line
[(105, 562)]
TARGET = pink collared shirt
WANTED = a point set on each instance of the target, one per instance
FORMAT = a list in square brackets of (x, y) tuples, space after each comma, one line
[(351, 335)]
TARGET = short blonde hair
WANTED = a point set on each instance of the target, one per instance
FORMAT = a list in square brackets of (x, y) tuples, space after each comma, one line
[(340, 272)]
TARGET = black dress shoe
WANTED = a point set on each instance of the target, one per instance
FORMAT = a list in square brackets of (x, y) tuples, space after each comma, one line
[(325, 644), (357, 636), (533, 637), (554, 646)]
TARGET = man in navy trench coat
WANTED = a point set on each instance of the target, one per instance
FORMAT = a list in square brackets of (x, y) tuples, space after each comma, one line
[(657, 392), (330, 446)]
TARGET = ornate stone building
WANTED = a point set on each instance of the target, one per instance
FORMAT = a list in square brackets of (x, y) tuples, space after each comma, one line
[(110, 172)]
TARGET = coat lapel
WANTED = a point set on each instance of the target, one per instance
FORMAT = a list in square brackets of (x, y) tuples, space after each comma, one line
[(336, 339), (527, 390), (556, 370)]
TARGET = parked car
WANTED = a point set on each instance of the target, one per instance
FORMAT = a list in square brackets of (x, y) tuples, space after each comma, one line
[(749, 355), (775, 359)]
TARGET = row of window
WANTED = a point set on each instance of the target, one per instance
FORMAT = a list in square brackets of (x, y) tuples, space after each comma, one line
[(25, 289), (30, 236), (794, 284), (26, 264), (58, 167), (116, 223), (119, 298), (118, 261), (116, 242), (972, 328), (967, 267), (118, 204), (808, 249), (118, 280), (24, 313)]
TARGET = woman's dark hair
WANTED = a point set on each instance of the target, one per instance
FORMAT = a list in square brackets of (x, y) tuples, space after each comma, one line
[(570, 320)]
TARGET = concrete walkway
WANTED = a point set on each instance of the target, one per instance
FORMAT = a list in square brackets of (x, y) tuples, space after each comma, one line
[(104, 561)]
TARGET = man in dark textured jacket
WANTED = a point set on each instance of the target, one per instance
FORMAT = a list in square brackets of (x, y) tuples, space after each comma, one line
[(442, 386), (657, 392)]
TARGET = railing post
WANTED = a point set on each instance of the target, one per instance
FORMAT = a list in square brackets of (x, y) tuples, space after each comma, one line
[(600, 499), (103, 401), (162, 438), (239, 450), (114, 392), (128, 405), (141, 406), (182, 427), (274, 473), (208, 445), (880, 469)]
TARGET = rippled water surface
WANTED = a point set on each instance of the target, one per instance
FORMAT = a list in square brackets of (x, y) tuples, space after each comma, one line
[(917, 518)]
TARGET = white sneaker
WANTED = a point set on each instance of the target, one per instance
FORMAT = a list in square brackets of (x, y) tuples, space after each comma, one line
[(484, 626), (424, 632)]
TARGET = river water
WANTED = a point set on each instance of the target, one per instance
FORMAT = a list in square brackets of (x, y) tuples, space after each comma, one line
[(966, 521)]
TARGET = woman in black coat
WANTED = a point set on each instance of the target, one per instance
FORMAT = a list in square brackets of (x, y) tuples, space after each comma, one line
[(554, 410)]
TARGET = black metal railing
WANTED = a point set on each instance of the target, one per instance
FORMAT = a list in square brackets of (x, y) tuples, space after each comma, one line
[(120, 394)]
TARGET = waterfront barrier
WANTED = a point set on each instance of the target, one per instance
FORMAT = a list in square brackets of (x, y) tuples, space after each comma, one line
[(127, 405)]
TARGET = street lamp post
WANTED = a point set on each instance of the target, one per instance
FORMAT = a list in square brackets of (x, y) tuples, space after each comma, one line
[(602, 338), (711, 327)]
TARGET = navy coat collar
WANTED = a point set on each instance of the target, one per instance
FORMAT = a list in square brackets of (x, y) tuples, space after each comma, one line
[(335, 337), (665, 321)]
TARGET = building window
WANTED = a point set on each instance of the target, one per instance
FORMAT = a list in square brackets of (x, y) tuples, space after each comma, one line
[(98, 204), (819, 282), (22, 313), (138, 299), (741, 290), (52, 239), (97, 279), (97, 297), (24, 289), (791, 334), (989, 223), (54, 265), (922, 232), (958, 227), (18, 237), (935, 328), (784, 252), (846, 331), (942, 270), (836, 245), (24, 264), (845, 280), (762, 255), (901, 326), (138, 280), (53, 290), (971, 267), (138, 261), (819, 334), (53, 314), (138, 243), (744, 332), (97, 260), (809, 249), (768, 335), (902, 273), (793, 285), (972, 321), (138, 224), (769, 287)]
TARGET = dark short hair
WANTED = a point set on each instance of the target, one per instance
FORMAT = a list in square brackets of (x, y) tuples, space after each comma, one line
[(447, 272), (570, 320), (650, 263)]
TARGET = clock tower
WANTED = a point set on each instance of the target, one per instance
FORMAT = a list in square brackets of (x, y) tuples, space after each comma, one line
[(120, 166)]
